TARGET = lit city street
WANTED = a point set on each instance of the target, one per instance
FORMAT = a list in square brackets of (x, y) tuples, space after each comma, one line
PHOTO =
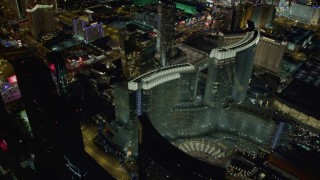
[(299, 116), (108, 162)]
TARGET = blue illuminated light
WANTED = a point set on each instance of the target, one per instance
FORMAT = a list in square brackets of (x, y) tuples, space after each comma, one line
[(277, 135), (139, 103)]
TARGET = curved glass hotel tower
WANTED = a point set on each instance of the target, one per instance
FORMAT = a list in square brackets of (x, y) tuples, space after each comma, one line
[(229, 71), (177, 106)]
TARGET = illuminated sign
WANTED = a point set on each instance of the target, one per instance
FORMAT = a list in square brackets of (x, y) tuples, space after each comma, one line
[(12, 79), (143, 2), (186, 8), (52, 67), (5, 87)]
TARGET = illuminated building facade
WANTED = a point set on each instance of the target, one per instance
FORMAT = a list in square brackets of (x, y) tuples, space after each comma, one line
[(49, 2), (304, 14), (127, 114), (11, 10), (9, 89), (93, 31), (26, 3), (17, 9), (226, 21), (138, 96), (89, 31), (149, 18), (150, 86), (269, 54), (184, 117), (166, 25), (263, 14), (41, 20), (243, 65), (138, 45), (146, 52), (160, 158), (222, 75), (179, 125), (77, 25), (259, 14), (128, 44), (246, 13), (228, 76), (225, 39), (230, 69)]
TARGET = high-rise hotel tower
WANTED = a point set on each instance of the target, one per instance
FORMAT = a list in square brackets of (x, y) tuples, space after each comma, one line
[(166, 25), (230, 69)]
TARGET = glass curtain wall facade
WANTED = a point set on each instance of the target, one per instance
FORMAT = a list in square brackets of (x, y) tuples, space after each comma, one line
[(127, 112), (230, 67), (220, 81), (174, 116), (243, 64), (168, 96), (166, 25)]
